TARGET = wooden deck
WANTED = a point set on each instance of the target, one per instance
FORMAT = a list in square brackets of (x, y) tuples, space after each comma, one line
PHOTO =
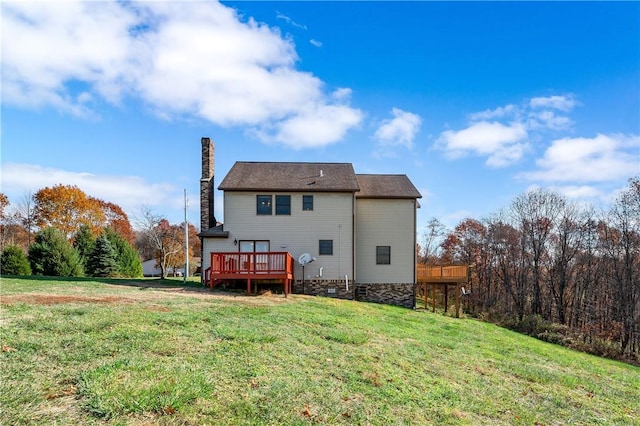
[(442, 278), (251, 267), (442, 274)]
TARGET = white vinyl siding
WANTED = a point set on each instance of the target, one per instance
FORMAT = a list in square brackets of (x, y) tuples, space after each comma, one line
[(297, 233), (385, 222)]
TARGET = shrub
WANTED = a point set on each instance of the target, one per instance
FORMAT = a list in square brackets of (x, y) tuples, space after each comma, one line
[(84, 243), (13, 261), (51, 254), (102, 260), (127, 257)]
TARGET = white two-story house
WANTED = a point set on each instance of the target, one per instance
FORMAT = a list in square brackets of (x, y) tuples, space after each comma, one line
[(357, 232)]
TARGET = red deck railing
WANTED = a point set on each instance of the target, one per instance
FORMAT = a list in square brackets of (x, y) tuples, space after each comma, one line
[(251, 266)]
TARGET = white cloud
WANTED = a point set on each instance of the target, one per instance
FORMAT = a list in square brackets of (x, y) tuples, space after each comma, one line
[(290, 21), (53, 44), (316, 43), (342, 94), (599, 159), (490, 114), (129, 192), (501, 134), (401, 130), (313, 128), (502, 144), (560, 102), (183, 59), (548, 120), (579, 192)]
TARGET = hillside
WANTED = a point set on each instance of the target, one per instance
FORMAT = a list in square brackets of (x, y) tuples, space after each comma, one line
[(96, 352)]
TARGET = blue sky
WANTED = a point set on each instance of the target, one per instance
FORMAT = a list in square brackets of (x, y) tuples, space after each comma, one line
[(476, 102)]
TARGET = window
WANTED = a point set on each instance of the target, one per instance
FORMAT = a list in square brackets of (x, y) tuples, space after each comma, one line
[(307, 202), (326, 247), (249, 246), (283, 204), (263, 204), (383, 255)]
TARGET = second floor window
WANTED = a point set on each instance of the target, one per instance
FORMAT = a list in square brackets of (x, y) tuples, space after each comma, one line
[(263, 204), (307, 202), (283, 204)]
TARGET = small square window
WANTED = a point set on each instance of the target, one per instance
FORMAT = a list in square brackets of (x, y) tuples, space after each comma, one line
[(307, 202), (383, 255), (263, 204), (283, 204), (326, 247)]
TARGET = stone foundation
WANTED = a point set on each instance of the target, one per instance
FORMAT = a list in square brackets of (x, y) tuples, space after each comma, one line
[(328, 288), (399, 294)]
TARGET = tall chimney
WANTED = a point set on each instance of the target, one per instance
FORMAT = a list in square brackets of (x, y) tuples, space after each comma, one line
[(207, 219)]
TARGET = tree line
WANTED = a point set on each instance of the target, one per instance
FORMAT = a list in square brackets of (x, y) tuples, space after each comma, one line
[(553, 268), (61, 231)]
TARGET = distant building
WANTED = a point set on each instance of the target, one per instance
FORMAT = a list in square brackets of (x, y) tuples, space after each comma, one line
[(150, 268)]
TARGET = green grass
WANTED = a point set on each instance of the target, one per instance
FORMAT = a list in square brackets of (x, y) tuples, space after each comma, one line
[(100, 352)]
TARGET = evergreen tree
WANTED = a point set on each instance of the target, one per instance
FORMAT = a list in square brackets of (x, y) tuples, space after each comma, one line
[(14, 262), (129, 263), (84, 243), (51, 254), (103, 259)]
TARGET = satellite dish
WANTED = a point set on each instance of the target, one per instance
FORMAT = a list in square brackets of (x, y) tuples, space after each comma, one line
[(305, 258)]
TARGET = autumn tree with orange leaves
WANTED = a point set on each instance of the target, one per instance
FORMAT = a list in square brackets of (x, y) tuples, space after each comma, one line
[(68, 208), (118, 220)]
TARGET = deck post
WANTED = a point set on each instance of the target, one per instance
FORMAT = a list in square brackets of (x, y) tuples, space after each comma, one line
[(433, 297), (446, 297), (248, 285), (457, 298), (426, 294)]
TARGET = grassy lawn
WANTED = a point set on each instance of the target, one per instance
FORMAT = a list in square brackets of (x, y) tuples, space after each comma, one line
[(102, 352)]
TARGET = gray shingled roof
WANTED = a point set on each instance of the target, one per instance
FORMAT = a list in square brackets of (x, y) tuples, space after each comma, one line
[(303, 177), (386, 186)]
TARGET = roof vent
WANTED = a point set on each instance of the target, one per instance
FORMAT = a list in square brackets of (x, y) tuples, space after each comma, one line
[(321, 173)]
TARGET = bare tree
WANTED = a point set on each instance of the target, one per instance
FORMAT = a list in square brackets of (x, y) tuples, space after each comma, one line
[(565, 244), (586, 298), (26, 214), (12, 231), (621, 244), (511, 263), (433, 238), (535, 213), (158, 236), (548, 257)]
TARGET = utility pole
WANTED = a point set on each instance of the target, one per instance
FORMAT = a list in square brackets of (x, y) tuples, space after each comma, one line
[(186, 239)]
